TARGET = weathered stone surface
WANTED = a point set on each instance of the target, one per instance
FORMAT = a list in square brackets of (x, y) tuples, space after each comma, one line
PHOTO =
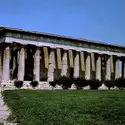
[(64, 64), (93, 61), (37, 65), (88, 69), (51, 66), (59, 62), (117, 69), (112, 64), (46, 57), (21, 66), (82, 61), (70, 58), (6, 64), (98, 68), (108, 69), (76, 65)]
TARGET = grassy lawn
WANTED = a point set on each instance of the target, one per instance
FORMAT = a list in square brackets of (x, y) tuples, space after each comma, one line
[(31, 107)]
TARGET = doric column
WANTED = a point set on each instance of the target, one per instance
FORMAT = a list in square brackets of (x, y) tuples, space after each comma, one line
[(76, 65), (93, 61), (1, 66), (112, 64), (117, 70), (46, 57), (98, 68), (88, 70), (108, 69), (51, 66), (37, 65), (123, 69), (64, 64), (6, 64), (21, 64), (59, 62), (82, 61), (70, 58), (14, 62)]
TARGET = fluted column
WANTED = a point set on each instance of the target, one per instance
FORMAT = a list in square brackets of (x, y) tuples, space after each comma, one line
[(37, 65), (6, 64), (46, 57), (108, 69), (51, 66), (59, 62), (117, 69), (88, 70), (112, 64), (21, 64), (93, 62), (82, 61), (76, 65), (64, 64), (123, 68), (98, 68), (70, 58)]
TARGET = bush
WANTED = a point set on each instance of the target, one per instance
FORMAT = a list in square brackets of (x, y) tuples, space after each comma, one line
[(34, 83), (18, 84), (120, 83), (94, 84), (80, 83), (52, 83), (109, 83), (65, 82)]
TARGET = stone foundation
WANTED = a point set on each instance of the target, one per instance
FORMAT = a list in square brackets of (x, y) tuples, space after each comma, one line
[(44, 85)]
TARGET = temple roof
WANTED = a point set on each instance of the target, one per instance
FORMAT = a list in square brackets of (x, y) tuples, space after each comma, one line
[(9, 29)]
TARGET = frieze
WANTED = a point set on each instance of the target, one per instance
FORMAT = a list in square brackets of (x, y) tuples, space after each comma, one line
[(50, 39)]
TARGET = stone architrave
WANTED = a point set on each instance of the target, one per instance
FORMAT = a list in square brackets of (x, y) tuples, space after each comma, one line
[(82, 61), (37, 65), (64, 64), (76, 65), (21, 64), (46, 57), (108, 69), (98, 68), (70, 58), (6, 64), (51, 66), (87, 68), (59, 62), (117, 69)]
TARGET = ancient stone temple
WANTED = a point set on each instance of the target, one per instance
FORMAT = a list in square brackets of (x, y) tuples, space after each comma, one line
[(28, 55)]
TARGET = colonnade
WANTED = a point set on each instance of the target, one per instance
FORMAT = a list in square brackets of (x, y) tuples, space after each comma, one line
[(84, 64)]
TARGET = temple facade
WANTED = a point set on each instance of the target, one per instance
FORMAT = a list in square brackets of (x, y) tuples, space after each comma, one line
[(27, 55)]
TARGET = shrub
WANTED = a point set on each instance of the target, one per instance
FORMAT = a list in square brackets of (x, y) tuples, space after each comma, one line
[(80, 83), (18, 84), (120, 83), (34, 83), (109, 83), (52, 83), (65, 82), (94, 84)]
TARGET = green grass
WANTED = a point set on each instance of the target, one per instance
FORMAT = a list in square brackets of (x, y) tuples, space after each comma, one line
[(31, 107)]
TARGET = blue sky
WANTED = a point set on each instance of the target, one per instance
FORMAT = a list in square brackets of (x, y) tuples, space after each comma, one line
[(100, 20)]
